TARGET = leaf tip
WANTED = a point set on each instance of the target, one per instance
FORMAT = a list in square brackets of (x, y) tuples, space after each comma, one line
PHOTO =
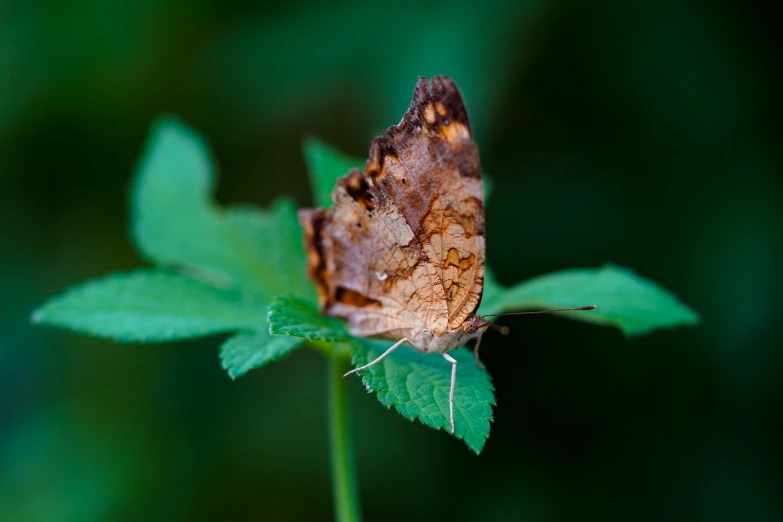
[(311, 142), (165, 122), (38, 316), (692, 317)]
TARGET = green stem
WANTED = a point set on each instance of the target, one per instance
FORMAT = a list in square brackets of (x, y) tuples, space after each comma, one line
[(344, 485)]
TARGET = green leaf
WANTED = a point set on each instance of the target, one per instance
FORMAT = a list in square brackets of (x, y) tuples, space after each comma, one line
[(151, 306), (293, 316), (417, 386), (176, 222), (274, 240), (324, 165), (172, 215), (246, 351), (237, 258), (631, 303), (410, 381)]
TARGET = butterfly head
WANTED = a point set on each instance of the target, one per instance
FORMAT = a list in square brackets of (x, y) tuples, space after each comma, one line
[(427, 341), (475, 325)]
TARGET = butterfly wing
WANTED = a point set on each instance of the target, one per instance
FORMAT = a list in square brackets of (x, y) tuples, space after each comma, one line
[(403, 246)]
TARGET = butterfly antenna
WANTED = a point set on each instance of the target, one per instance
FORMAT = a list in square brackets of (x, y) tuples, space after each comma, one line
[(591, 307)]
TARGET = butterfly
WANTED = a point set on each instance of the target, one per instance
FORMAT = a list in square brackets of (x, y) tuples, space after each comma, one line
[(400, 254)]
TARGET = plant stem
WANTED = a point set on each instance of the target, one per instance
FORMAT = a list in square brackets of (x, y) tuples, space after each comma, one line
[(344, 484)]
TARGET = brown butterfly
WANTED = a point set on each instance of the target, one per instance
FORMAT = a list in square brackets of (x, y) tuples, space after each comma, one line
[(400, 255)]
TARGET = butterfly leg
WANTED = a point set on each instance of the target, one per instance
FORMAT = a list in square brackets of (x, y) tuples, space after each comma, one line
[(453, 362), (479, 364), (379, 359)]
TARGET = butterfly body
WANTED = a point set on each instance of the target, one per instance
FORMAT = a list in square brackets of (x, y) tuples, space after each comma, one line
[(428, 341)]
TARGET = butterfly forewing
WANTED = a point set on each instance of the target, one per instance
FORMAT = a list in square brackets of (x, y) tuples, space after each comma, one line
[(403, 246)]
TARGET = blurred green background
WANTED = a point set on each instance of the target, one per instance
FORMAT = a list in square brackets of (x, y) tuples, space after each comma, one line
[(645, 135)]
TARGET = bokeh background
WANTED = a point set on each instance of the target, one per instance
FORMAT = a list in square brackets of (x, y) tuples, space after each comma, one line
[(645, 135)]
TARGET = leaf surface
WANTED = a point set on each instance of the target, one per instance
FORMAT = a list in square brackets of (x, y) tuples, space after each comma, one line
[(624, 299), (417, 386), (175, 221), (246, 351), (151, 306), (293, 316)]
